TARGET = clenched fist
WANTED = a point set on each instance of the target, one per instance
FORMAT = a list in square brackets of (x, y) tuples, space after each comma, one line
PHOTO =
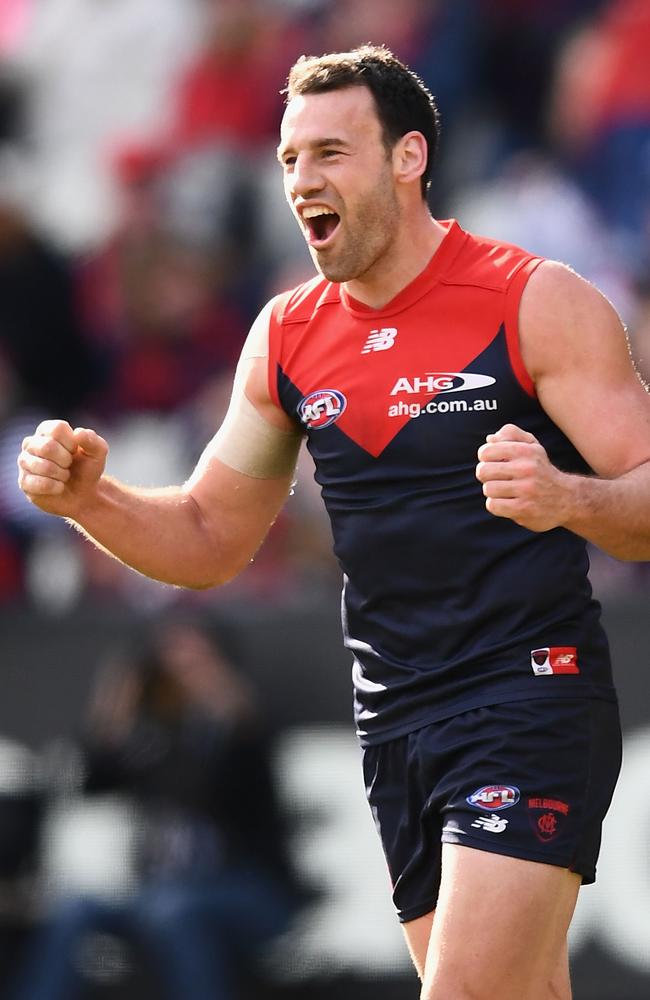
[(519, 481), (59, 467)]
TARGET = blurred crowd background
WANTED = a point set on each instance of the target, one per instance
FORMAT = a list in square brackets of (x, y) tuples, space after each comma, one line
[(142, 226)]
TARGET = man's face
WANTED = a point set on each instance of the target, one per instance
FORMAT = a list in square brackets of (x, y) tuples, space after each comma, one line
[(338, 180)]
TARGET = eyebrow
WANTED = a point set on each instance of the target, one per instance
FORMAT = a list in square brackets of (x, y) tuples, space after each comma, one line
[(314, 144)]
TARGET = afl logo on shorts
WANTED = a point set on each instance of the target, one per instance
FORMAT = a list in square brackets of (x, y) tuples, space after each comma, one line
[(494, 797), (321, 408)]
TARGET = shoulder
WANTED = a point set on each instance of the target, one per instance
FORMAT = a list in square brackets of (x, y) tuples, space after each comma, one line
[(487, 262), (300, 303), (564, 317), (556, 290), (280, 309)]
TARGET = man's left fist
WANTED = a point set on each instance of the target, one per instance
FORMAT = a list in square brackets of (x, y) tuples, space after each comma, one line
[(519, 481)]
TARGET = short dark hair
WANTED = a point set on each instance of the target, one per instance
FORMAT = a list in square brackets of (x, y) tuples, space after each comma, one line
[(404, 103)]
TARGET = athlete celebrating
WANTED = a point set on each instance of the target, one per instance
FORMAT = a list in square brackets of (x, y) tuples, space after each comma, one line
[(421, 359)]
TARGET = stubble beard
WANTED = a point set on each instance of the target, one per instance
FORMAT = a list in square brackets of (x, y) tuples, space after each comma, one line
[(369, 233)]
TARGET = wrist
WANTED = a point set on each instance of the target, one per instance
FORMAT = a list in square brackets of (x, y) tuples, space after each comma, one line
[(95, 500), (575, 501)]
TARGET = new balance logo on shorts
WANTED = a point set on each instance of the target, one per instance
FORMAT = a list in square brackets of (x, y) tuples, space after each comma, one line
[(493, 823)]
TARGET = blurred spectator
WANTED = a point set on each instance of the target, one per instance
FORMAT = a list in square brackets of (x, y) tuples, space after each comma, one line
[(437, 39), (21, 805), (40, 336), (172, 326), (231, 91), (533, 203), (13, 19), (519, 39), (11, 106), (93, 71), (600, 115), (177, 730)]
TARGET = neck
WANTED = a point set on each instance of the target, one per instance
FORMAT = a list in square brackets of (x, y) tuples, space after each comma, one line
[(416, 242)]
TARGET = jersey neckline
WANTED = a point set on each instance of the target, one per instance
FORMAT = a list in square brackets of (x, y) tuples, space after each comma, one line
[(439, 262)]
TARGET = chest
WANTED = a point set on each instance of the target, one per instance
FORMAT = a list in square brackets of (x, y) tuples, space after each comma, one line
[(443, 358)]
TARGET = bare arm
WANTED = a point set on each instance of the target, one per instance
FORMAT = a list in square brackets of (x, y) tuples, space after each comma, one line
[(197, 535), (575, 349)]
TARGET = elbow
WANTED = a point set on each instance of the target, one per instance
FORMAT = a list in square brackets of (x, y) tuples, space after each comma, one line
[(636, 554), (219, 557), (216, 574), (633, 550)]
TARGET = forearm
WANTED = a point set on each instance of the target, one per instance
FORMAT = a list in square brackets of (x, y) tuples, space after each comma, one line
[(161, 533), (614, 514)]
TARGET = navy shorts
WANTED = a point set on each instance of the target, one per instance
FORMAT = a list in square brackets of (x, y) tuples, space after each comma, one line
[(529, 779)]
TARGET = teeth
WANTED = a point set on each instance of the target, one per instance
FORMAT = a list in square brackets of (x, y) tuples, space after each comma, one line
[(315, 210)]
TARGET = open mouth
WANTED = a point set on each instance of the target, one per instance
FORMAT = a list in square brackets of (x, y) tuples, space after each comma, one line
[(321, 223)]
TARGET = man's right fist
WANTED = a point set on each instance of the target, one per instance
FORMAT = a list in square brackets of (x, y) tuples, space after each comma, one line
[(59, 467)]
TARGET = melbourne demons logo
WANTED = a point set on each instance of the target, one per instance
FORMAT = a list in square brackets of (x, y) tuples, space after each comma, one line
[(321, 408)]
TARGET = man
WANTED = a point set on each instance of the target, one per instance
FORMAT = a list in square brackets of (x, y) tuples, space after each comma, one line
[(483, 690)]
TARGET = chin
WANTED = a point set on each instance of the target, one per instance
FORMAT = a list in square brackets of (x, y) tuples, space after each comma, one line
[(334, 271)]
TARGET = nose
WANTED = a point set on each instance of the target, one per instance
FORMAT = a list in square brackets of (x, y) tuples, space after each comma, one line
[(305, 179)]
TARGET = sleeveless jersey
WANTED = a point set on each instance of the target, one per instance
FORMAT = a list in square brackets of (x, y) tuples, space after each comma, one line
[(445, 607)]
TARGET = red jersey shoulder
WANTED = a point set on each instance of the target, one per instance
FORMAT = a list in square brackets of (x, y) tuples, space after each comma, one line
[(299, 304), (486, 263)]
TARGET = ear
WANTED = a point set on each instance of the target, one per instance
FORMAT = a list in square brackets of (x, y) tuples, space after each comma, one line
[(410, 157)]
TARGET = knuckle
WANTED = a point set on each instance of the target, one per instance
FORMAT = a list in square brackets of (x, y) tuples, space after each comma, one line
[(59, 430), (48, 448)]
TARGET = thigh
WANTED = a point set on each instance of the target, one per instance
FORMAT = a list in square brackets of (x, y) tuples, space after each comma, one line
[(491, 905)]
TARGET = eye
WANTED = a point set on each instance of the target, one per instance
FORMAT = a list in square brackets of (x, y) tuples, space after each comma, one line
[(288, 162), (328, 154)]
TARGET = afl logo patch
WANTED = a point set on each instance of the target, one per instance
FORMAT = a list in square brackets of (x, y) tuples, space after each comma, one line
[(321, 408), (494, 797)]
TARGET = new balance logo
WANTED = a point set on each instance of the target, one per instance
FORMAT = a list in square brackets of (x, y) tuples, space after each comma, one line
[(380, 340), (493, 823)]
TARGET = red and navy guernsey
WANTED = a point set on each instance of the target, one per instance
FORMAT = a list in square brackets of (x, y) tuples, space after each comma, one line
[(445, 607)]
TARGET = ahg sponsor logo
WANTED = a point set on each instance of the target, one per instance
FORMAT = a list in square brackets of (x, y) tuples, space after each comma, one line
[(404, 409), (438, 382)]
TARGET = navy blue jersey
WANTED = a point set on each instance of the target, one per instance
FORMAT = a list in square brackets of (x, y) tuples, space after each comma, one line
[(445, 607)]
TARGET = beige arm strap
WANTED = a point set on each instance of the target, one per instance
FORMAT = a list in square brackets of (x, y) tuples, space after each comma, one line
[(246, 441)]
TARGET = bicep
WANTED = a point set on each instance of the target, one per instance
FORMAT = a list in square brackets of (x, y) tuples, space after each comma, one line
[(575, 348)]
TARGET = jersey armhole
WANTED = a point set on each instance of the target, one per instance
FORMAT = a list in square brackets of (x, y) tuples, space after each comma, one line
[(514, 292)]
